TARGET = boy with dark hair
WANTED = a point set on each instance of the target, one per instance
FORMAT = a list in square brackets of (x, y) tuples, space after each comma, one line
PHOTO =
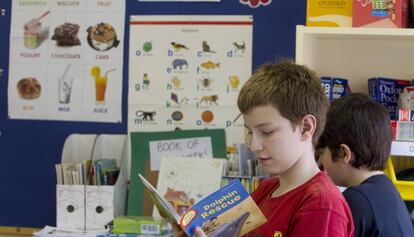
[(354, 149), (284, 109)]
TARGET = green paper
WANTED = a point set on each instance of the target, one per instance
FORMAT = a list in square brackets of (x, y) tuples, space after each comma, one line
[(140, 154)]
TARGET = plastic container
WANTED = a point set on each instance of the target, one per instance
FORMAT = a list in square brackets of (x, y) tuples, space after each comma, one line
[(396, 164)]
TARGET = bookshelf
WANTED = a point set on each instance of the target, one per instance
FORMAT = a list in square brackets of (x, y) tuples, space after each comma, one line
[(358, 54)]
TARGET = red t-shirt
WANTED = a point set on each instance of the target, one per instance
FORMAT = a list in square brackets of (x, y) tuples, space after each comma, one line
[(316, 209)]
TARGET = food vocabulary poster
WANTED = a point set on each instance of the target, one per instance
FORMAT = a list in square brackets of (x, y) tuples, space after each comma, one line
[(66, 60), (185, 72)]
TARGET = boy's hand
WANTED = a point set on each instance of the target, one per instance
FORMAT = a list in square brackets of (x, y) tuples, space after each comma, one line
[(178, 232), (199, 232)]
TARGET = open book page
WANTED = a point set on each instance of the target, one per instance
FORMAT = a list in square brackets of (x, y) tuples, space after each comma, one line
[(164, 207), (183, 181)]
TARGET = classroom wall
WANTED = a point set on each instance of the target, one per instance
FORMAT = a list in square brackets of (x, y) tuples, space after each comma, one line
[(29, 149)]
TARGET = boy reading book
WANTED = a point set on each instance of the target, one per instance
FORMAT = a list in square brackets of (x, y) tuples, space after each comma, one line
[(228, 212), (284, 108)]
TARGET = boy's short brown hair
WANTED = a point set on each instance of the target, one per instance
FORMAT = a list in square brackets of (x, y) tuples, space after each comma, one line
[(292, 89), (364, 126)]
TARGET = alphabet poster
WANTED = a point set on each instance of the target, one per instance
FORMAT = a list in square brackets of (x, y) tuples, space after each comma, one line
[(185, 72), (66, 60)]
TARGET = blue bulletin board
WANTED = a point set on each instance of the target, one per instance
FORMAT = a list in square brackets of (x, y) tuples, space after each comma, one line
[(29, 149)]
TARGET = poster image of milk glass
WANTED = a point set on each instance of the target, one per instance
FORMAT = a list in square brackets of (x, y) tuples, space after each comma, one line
[(65, 81), (35, 32), (102, 37), (101, 79)]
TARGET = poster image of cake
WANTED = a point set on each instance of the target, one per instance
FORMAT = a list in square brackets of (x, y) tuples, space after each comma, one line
[(102, 37)]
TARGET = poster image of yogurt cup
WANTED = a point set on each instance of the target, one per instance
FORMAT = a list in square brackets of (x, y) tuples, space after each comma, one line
[(102, 37), (34, 32)]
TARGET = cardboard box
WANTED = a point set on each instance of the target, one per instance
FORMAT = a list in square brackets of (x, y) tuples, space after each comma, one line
[(334, 87), (336, 13), (139, 225), (380, 13), (70, 206)]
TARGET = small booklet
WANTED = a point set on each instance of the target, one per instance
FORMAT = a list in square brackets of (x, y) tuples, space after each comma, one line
[(229, 211)]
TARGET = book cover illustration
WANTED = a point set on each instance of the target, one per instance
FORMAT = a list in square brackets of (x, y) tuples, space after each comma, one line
[(230, 211), (182, 180), (230, 207)]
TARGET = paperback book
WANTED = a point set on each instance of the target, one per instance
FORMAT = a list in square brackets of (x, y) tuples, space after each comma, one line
[(182, 180), (229, 211)]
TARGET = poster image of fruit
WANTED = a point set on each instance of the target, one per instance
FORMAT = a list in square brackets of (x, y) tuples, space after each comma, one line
[(147, 46), (102, 37)]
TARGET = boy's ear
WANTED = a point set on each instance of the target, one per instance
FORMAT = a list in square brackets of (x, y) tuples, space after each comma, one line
[(308, 126), (346, 153)]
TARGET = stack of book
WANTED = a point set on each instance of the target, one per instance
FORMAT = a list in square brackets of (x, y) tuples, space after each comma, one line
[(86, 172), (138, 226)]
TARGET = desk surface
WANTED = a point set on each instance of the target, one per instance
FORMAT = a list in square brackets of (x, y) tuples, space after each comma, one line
[(12, 231), (15, 235)]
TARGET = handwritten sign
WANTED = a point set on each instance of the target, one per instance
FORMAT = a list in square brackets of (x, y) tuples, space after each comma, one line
[(190, 147)]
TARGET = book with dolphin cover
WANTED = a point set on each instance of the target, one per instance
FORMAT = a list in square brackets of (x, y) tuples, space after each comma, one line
[(229, 211)]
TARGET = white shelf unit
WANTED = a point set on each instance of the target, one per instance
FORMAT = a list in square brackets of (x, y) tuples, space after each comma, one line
[(400, 148), (358, 54)]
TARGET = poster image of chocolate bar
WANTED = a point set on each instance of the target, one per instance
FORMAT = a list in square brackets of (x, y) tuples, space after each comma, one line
[(66, 34)]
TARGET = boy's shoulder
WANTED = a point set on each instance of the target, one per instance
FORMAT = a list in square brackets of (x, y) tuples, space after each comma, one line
[(318, 192), (375, 189), (373, 186), (321, 192)]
